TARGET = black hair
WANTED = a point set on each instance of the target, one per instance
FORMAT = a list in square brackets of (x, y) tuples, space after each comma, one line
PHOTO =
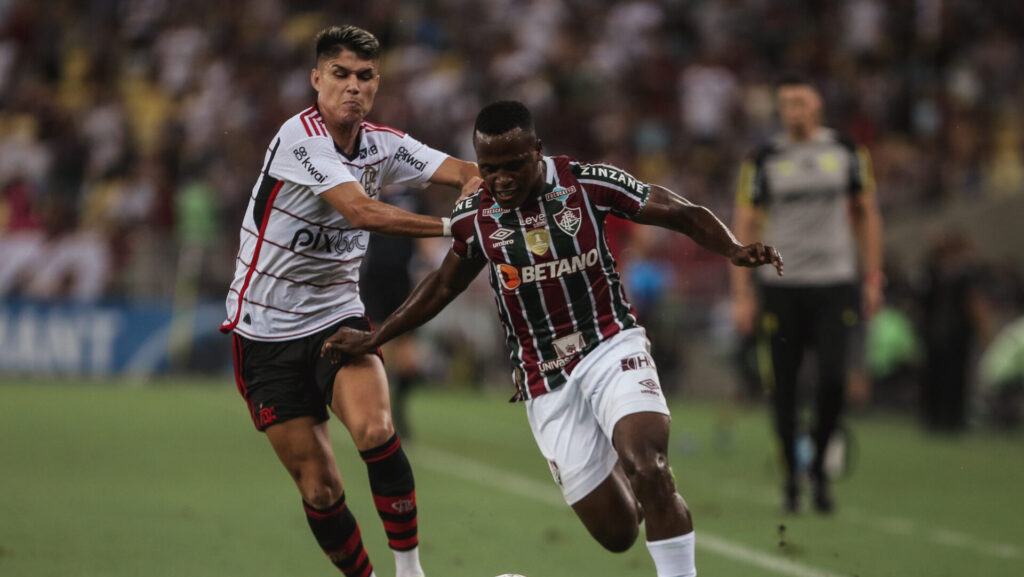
[(793, 78), (503, 116), (332, 40)]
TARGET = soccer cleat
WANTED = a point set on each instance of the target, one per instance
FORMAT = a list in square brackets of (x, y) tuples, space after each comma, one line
[(823, 500)]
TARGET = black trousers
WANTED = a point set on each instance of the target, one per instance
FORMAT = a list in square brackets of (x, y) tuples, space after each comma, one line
[(792, 321), (944, 390)]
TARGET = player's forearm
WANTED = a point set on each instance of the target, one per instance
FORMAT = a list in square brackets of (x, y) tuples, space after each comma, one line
[(709, 232), (868, 230), (362, 212), (392, 221), (668, 210), (467, 172), (455, 172)]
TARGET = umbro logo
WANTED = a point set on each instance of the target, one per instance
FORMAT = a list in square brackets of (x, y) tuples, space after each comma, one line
[(650, 387), (501, 236)]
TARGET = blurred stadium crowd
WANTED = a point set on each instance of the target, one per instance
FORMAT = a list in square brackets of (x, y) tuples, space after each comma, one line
[(131, 131)]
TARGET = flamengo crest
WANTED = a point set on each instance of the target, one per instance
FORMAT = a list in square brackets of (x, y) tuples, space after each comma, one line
[(568, 219)]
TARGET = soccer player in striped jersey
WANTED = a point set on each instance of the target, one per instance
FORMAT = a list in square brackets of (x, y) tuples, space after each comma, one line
[(580, 358), (297, 280)]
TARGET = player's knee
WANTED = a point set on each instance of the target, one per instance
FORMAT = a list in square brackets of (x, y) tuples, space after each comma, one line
[(650, 476), (373, 433), (320, 495), (318, 486)]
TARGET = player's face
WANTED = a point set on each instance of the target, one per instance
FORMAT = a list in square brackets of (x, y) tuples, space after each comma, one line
[(799, 108), (511, 164), (346, 86)]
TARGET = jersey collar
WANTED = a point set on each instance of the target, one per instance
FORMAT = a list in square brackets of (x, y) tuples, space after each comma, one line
[(359, 140), (552, 176), (355, 149)]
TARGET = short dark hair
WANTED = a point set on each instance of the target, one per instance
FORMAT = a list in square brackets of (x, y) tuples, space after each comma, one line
[(503, 116), (332, 40), (793, 78)]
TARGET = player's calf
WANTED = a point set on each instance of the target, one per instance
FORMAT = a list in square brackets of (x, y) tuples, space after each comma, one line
[(641, 440), (617, 535), (654, 486), (394, 494), (338, 534), (669, 525), (610, 514)]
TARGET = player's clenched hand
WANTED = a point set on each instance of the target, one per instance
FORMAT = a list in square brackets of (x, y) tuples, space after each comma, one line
[(347, 341), (757, 254)]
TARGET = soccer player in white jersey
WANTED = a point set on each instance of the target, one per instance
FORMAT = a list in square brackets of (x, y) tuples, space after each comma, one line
[(296, 281), (580, 359)]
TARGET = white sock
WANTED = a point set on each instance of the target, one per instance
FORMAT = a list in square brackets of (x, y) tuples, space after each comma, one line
[(407, 563), (674, 557)]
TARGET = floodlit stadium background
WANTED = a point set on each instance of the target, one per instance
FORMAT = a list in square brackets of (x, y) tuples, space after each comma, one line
[(132, 131)]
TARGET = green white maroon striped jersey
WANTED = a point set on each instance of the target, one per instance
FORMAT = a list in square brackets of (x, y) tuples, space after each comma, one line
[(554, 278)]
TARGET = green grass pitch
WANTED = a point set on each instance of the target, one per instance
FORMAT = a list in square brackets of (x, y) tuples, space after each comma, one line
[(171, 480)]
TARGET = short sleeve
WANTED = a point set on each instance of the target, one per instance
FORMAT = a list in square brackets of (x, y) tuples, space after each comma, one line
[(465, 243), (613, 190), (745, 189), (862, 174), (311, 162), (412, 162), (752, 184)]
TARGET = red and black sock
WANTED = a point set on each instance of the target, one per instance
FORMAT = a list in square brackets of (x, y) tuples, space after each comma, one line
[(394, 492), (338, 534)]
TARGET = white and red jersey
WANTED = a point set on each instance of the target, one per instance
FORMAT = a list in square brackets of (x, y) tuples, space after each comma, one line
[(297, 270)]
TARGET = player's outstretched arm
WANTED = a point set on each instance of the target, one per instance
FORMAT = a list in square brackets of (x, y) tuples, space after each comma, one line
[(365, 213), (429, 297), (667, 209)]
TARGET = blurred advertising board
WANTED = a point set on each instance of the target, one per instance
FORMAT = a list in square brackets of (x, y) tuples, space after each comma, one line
[(110, 338)]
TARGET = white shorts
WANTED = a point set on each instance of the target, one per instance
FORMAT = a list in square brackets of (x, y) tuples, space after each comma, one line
[(573, 424)]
